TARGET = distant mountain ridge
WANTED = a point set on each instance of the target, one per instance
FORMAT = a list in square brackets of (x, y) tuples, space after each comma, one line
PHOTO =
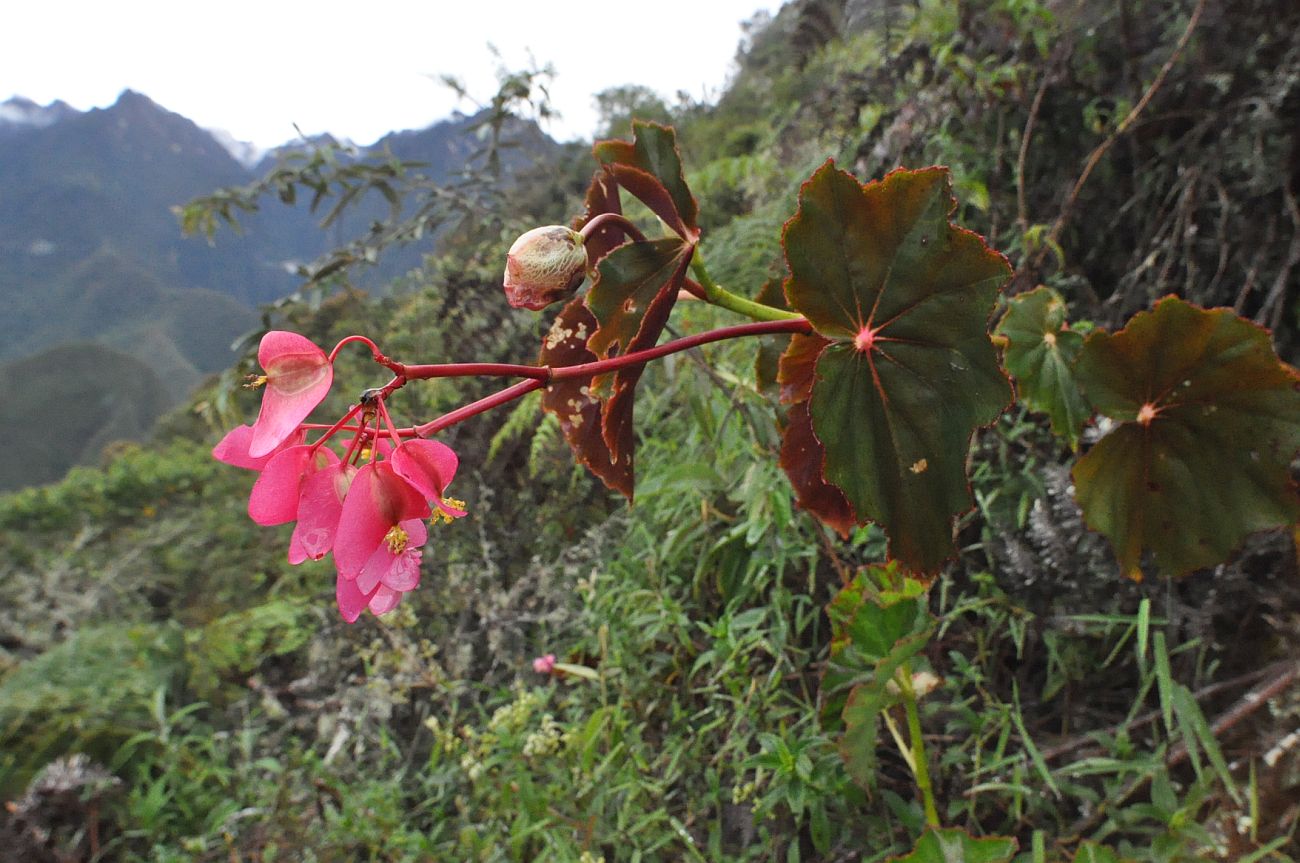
[(90, 250)]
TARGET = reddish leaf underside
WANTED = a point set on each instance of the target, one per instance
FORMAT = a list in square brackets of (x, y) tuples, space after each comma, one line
[(1209, 424), (905, 297), (602, 197), (574, 404), (802, 456)]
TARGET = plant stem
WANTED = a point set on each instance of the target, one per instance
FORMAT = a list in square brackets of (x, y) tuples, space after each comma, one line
[(920, 763), (719, 296), (536, 377)]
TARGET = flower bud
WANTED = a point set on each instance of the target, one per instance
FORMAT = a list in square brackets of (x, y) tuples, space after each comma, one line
[(544, 266)]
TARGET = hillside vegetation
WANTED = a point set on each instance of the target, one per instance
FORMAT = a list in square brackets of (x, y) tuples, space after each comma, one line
[(172, 689)]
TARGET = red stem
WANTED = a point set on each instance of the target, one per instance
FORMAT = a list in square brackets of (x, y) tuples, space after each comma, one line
[(497, 399), (619, 221), (759, 328), (586, 370), (374, 349)]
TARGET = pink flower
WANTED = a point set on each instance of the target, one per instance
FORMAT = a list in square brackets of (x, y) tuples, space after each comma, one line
[(233, 448), (298, 377), (320, 506), (379, 536), (429, 466), (544, 664), (276, 493)]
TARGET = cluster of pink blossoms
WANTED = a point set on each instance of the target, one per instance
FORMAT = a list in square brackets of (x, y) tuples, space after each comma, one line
[(368, 507)]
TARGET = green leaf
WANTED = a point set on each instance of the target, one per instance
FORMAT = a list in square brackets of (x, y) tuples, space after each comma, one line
[(1091, 852), (950, 845), (1040, 352), (872, 636), (650, 168), (905, 297), (1209, 423)]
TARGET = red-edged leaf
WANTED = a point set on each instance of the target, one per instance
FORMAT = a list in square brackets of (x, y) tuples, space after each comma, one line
[(1040, 351), (802, 456), (633, 292), (650, 167), (574, 404), (905, 297), (1209, 424), (635, 288)]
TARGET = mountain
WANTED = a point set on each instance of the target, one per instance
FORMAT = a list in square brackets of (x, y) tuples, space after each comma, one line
[(19, 113), (90, 249)]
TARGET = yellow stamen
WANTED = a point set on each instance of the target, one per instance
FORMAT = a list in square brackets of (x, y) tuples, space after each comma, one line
[(440, 517), (396, 539), (252, 382)]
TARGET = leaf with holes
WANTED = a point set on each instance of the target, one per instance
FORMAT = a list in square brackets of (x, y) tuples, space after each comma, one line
[(1209, 422), (904, 296), (631, 298), (1040, 350), (577, 408), (950, 845), (650, 168)]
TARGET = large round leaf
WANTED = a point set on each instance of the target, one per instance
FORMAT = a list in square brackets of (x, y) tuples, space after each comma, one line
[(1209, 423), (905, 297)]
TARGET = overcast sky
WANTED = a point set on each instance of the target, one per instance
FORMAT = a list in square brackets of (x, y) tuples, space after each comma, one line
[(356, 69)]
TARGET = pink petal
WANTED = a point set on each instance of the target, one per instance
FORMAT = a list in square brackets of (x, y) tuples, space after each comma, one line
[(320, 505), (275, 494), (426, 464), (298, 378), (351, 601), (404, 574), (399, 572), (376, 502), (384, 600), (233, 448)]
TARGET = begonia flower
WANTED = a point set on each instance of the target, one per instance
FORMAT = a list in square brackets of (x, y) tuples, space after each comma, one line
[(233, 448), (392, 569), (377, 502), (545, 265), (275, 495), (298, 377), (320, 506), (430, 466)]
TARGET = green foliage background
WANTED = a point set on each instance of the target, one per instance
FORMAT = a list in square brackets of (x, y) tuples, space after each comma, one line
[(145, 621)]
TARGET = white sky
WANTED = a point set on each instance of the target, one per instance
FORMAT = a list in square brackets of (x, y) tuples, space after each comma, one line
[(356, 69)]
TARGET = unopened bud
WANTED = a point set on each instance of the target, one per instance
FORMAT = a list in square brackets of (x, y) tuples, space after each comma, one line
[(544, 266)]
